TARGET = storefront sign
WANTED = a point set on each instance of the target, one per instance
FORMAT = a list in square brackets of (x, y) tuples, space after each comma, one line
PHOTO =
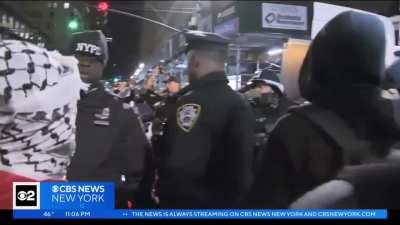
[(226, 14), (279, 16), (228, 28)]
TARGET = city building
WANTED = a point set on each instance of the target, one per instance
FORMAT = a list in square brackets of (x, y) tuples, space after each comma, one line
[(47, 23)]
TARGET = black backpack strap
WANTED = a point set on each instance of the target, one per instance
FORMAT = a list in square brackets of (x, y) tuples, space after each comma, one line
[(335, 128)]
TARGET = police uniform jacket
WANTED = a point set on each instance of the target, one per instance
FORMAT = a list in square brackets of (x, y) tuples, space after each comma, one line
[(208, 144), (110, 141)]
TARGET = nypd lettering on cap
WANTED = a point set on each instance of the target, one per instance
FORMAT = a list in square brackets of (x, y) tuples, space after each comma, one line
[(187, 116), (88, 48)]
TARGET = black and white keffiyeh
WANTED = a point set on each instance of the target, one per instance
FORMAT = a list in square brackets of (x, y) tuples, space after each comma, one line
[(39, 90)]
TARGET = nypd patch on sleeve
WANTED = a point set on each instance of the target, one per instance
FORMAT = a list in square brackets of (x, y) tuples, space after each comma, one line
[(187, 116)]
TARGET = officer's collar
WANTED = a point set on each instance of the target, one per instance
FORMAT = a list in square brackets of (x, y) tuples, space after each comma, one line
[(213, 77), (210, 78), (96, 86)]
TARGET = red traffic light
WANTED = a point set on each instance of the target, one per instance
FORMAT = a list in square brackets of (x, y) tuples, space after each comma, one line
[(103, 6)]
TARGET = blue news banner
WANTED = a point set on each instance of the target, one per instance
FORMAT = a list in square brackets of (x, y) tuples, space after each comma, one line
[(93, 200)]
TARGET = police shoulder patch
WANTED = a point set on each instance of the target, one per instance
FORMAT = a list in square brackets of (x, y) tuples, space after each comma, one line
[(187, 116)]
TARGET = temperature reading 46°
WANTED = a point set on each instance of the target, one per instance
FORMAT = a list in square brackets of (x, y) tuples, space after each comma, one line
[(47, 214)]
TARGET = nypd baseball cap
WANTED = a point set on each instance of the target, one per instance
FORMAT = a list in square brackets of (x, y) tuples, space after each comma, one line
[(90, 43)]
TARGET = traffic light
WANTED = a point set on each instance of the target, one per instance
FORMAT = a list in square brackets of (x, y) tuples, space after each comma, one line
[(103, 7), (73, 24), (101, 15)]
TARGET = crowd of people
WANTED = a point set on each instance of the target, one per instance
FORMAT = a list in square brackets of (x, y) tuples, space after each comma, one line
[(206, 145)]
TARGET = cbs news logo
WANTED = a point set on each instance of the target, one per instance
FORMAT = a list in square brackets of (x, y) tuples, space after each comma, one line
[(26, 195)]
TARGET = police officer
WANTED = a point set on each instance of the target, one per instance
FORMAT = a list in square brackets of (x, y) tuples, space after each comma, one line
[(267, 98), (209, 138), (130, 93), (110, 141), (173, 85), (163, 109), (148, 93), (165, 106)]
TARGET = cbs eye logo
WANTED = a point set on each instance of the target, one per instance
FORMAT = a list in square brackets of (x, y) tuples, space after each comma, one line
[(26, 195)]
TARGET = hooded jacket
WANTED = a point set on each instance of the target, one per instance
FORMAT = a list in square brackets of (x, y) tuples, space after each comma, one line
[(299, 156)]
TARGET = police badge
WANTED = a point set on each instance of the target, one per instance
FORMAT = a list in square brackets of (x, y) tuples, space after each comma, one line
[(187, 116)]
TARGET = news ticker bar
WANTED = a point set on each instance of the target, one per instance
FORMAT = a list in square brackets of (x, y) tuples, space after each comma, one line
[(378, 214), (95, 200)]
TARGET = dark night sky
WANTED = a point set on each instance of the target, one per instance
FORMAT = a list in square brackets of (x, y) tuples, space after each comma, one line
[(124, 48)]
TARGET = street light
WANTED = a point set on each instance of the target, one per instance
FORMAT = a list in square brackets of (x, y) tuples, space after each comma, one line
[(275, 51)]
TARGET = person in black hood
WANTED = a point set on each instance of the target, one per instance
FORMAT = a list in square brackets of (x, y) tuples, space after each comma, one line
[(110, 141), (268, 100), (341, 77)]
